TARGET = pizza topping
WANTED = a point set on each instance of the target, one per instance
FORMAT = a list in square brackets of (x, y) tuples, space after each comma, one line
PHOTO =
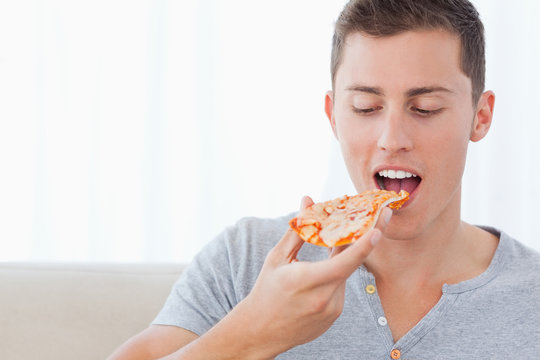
[(345, 219)]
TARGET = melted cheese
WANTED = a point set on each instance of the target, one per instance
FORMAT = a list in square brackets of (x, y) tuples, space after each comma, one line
[(345, 219)]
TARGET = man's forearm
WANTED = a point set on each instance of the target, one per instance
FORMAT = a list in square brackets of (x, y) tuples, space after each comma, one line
[(235, 336)]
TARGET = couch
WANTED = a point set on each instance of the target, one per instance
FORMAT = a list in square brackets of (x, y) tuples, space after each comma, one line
[(77, 311)]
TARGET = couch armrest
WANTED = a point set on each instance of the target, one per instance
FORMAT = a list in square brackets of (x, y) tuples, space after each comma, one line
[(77, 310)]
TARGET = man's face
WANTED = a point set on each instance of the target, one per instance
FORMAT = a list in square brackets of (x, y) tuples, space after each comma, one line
[(402, 112)]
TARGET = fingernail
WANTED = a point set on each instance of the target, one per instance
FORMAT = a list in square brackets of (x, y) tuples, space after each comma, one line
[(387, 216), (375, 237)]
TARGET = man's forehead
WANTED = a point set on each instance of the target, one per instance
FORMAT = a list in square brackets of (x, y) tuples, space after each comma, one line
[(405, 44), (408, 60)]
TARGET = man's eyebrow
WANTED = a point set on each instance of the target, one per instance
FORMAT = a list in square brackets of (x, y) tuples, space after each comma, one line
[(410, 93), (427, 90), (367, 89)]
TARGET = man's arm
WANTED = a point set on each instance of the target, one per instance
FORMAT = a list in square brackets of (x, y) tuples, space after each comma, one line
[(154, 342), (292, 302)]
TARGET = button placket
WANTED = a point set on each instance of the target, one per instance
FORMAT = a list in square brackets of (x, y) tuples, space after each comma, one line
[(425, 325), (370, 290)]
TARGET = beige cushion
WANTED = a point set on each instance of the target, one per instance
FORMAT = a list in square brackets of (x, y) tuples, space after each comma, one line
[(77, 310)]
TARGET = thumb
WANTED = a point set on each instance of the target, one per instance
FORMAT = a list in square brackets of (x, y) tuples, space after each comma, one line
[(287, 248), (348, 260)]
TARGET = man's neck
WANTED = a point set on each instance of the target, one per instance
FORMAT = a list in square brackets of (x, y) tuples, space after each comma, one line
[(447, 254)]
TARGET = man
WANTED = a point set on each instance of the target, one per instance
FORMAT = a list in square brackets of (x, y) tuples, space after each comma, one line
[(408, 96)]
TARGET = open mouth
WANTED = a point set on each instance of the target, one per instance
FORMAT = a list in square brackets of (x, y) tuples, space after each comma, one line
[(397, 180)]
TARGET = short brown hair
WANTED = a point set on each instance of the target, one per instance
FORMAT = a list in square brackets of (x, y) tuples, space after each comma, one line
[(391, 17)]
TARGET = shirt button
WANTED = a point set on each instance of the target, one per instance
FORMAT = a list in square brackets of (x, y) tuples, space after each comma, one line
[(370, 289), (382, 321), (395, 354)]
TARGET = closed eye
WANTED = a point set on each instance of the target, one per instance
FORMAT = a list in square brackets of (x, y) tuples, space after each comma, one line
[(366, 111), (424, 112)]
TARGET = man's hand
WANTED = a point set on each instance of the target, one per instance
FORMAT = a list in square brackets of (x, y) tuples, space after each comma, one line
[(295, 302), (292, 302)]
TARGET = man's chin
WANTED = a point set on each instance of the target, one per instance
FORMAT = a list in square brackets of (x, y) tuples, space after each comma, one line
[(402, 229)]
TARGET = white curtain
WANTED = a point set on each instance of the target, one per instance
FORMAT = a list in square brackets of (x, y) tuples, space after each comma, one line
[(504, 169), (138, 130)]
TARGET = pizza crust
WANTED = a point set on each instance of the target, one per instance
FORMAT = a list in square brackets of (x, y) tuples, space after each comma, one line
[(345, 219)]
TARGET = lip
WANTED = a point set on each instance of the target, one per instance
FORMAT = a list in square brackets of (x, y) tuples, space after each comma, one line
[(412, 195)]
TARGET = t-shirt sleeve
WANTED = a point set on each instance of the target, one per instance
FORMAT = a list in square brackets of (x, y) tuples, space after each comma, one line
[(205, 292)]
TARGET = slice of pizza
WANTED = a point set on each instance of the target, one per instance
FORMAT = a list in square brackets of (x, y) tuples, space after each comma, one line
[(345, 219)]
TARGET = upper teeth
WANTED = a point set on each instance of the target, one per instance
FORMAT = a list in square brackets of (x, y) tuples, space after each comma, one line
[(396, 174)]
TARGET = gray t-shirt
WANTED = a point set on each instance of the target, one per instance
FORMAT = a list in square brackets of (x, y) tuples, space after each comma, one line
[(493, 316)]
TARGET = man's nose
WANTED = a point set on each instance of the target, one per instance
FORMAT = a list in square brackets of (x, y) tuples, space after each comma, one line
[(395, 134)]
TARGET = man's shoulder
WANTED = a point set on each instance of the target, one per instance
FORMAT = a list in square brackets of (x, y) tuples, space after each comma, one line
[(257, 232), (522, 263), (257, 226), (520, 252), (249, 239)]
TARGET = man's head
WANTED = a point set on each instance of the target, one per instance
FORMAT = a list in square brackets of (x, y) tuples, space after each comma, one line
[(401, 106), (381, 18)]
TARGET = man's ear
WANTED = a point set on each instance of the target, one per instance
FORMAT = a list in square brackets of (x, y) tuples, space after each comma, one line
[(329, 110), (483, 116)]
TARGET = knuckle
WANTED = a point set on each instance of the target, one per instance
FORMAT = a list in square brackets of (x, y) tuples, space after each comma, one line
[(319, 305), (270, 258)]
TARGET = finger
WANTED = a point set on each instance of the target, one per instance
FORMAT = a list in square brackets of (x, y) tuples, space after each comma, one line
[(290, 244), (344, 263), (288, 247), (384, 219), (306, 202)]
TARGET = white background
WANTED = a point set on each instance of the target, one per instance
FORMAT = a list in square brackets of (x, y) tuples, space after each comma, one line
[(138, 130)]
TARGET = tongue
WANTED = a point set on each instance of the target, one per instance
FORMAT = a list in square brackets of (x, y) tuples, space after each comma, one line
[(392, 184), (407, 184), (410, 184)]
